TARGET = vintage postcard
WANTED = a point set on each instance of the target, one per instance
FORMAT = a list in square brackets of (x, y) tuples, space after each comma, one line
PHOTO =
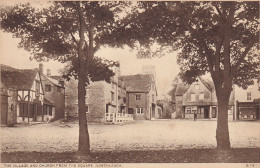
[(130, 84)]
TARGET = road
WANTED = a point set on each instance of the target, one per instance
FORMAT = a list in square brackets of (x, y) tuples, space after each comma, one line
[(139, 135)]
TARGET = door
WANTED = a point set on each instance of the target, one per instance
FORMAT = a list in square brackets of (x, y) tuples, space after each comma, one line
[(130, 111), (4, 109), (206, 113), (214, 112), (153, 112)]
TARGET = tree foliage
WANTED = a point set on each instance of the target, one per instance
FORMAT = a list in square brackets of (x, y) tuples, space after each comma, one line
[(221, 38), (198, 30), (52, 33), (67, 31)]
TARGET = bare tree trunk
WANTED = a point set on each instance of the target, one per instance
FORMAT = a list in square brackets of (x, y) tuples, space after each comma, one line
[(222, 132), (84, 145)]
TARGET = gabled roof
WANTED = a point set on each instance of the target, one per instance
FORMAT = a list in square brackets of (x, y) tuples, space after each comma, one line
[(137, 83), (48, 102), (181, 89), (58, 78), (208, 83), (52, 80), (18, 79)]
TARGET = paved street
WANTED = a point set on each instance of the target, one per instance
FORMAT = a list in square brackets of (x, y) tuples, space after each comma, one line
[(140, 135)]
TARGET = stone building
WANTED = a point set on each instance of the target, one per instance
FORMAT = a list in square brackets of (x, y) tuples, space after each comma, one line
[(200, 98), (21, 95), (247, 102), (54, 95), (106, 102), (141, 96)]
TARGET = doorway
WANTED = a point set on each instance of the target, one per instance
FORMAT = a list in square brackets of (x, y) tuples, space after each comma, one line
[(4, 109), (214, 112), (206, 113)]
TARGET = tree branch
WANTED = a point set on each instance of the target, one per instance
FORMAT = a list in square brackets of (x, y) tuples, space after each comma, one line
[(74, 39), (219, 12), (96, 48), (244, 54)]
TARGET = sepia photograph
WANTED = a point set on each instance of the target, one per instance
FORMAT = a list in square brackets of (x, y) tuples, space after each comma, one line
[(129, 84)]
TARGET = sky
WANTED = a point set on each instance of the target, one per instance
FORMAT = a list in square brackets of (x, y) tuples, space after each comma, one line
[(166, 67)]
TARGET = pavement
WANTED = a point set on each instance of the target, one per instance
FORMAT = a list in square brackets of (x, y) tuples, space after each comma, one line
[(138, 135)]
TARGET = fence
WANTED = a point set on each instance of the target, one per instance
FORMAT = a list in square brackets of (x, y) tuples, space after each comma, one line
[(118, 117)]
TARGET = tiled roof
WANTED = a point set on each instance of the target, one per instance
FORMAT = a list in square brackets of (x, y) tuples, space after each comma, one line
[(137, 83), (181, 89), (208, 83), (58, 78), (16, 78), (48, 102)]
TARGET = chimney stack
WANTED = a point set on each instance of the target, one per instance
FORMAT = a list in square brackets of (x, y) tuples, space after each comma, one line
[(48, 72), (40, 68)]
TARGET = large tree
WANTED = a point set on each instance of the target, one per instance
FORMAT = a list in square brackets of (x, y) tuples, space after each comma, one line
[(221, 38), (67, 31)]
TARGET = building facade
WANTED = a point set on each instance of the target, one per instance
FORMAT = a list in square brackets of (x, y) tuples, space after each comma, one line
[(200, 98), (106, 102), (22, 95), (247, 102), (54, 95), (23, 98), (141, 96)]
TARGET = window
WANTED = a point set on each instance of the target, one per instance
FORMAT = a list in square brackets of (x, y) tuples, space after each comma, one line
[(248, 95), (192, 97), (139, 110), (47, 88), (201, 96), (137, 97), (39, 110), (23, 110), (59, 89), (50, 110), (87, 110), (188, 109), (197, 86), (191, 109), (112, 96), (45, 109)]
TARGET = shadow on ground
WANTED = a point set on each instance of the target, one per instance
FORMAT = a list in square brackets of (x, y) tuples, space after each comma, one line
[(236, 155)]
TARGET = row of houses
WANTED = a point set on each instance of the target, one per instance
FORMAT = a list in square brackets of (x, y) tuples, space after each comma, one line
[(30, 95), (125, 98), (200, 98)]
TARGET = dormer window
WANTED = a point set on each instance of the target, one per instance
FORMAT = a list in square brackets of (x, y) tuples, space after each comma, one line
[(197, 86), (201, 96), (59, 89), (192, 97), (47, 88)]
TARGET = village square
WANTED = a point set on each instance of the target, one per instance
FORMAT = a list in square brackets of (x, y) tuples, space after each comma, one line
[(74, 96)]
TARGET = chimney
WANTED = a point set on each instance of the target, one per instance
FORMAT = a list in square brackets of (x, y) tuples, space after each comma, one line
[(40, 68), (48, 72)]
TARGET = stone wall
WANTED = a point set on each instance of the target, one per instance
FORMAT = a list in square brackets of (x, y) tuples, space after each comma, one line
[(96, 102)]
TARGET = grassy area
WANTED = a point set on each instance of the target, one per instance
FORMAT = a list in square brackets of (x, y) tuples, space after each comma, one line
[(236, 155)]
